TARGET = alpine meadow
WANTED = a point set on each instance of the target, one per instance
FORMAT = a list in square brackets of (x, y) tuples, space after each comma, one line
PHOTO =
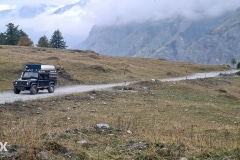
[(147, 119)]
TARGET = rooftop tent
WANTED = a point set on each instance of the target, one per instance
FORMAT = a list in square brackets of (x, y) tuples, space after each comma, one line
[(33, 67), (37, 67), (47, 67)]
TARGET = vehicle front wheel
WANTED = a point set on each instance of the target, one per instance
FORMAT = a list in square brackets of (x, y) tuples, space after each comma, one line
[(51, 88), (16, 91), (33, 89)]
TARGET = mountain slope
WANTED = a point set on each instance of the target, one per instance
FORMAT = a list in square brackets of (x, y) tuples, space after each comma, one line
[(81, 3), (221, 44), (177, 39)]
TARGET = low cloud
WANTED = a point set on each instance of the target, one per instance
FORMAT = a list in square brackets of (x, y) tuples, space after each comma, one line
[(76, 23), (6, 7), (110, 11)]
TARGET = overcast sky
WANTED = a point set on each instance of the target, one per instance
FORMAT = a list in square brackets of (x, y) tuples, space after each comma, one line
[(77, 22)]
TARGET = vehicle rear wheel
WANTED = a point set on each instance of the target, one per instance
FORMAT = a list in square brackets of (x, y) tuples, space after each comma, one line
[(16, 91), (51, 88), (33, 89)]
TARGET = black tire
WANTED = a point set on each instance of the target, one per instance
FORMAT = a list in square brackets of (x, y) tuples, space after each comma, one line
[(51, 88), (33, 89), (16, 91)]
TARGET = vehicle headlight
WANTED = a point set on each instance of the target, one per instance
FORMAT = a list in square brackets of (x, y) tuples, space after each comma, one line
[(16, 82)]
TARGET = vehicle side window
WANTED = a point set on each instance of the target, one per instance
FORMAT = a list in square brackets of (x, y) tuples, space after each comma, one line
[(46, 76), (41, 76)]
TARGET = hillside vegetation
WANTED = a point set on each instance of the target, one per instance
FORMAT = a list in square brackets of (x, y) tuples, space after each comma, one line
[(150, 120), (88, 67)]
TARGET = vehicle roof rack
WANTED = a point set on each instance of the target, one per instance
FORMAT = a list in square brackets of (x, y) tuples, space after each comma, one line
[(39, 67)]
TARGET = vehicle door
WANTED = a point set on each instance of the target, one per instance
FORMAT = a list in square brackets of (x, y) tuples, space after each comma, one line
[(43, 80)]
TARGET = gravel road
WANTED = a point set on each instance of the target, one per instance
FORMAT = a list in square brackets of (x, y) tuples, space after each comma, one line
[(200, 75), (9, 96)]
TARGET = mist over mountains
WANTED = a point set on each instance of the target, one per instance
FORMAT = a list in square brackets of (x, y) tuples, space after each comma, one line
[(185, 30), (210, 40)]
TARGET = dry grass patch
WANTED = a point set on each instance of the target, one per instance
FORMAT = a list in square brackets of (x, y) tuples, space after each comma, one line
[(77, 66), (155, 120)]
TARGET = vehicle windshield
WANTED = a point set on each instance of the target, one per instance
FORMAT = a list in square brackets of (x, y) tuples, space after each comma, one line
[(27, 75)]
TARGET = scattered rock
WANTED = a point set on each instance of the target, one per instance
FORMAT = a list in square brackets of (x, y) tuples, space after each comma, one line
[(129, 131), (92, 97), (135, 146), (11, 153), (146, 88), (83, 143), (68, 130), (108, 149), (42, 155), (7, 155), (102, 126)]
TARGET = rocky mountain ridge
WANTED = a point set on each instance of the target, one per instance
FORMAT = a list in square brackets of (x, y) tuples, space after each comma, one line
[(211, 40)]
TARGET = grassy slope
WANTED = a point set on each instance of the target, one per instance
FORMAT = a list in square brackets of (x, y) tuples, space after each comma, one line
[(88, 67), (197, 119)]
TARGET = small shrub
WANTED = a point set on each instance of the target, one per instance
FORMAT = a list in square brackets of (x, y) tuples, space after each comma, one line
[(238, 65), (238, 73), (146, 157), (55, 147)]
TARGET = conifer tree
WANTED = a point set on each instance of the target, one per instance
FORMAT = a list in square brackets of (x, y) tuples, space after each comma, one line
[(43, 42), (57, 40), (233, 61), (12, 34), (2, 39)]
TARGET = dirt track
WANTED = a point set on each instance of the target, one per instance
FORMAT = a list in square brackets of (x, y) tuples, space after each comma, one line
[(9, 96)]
